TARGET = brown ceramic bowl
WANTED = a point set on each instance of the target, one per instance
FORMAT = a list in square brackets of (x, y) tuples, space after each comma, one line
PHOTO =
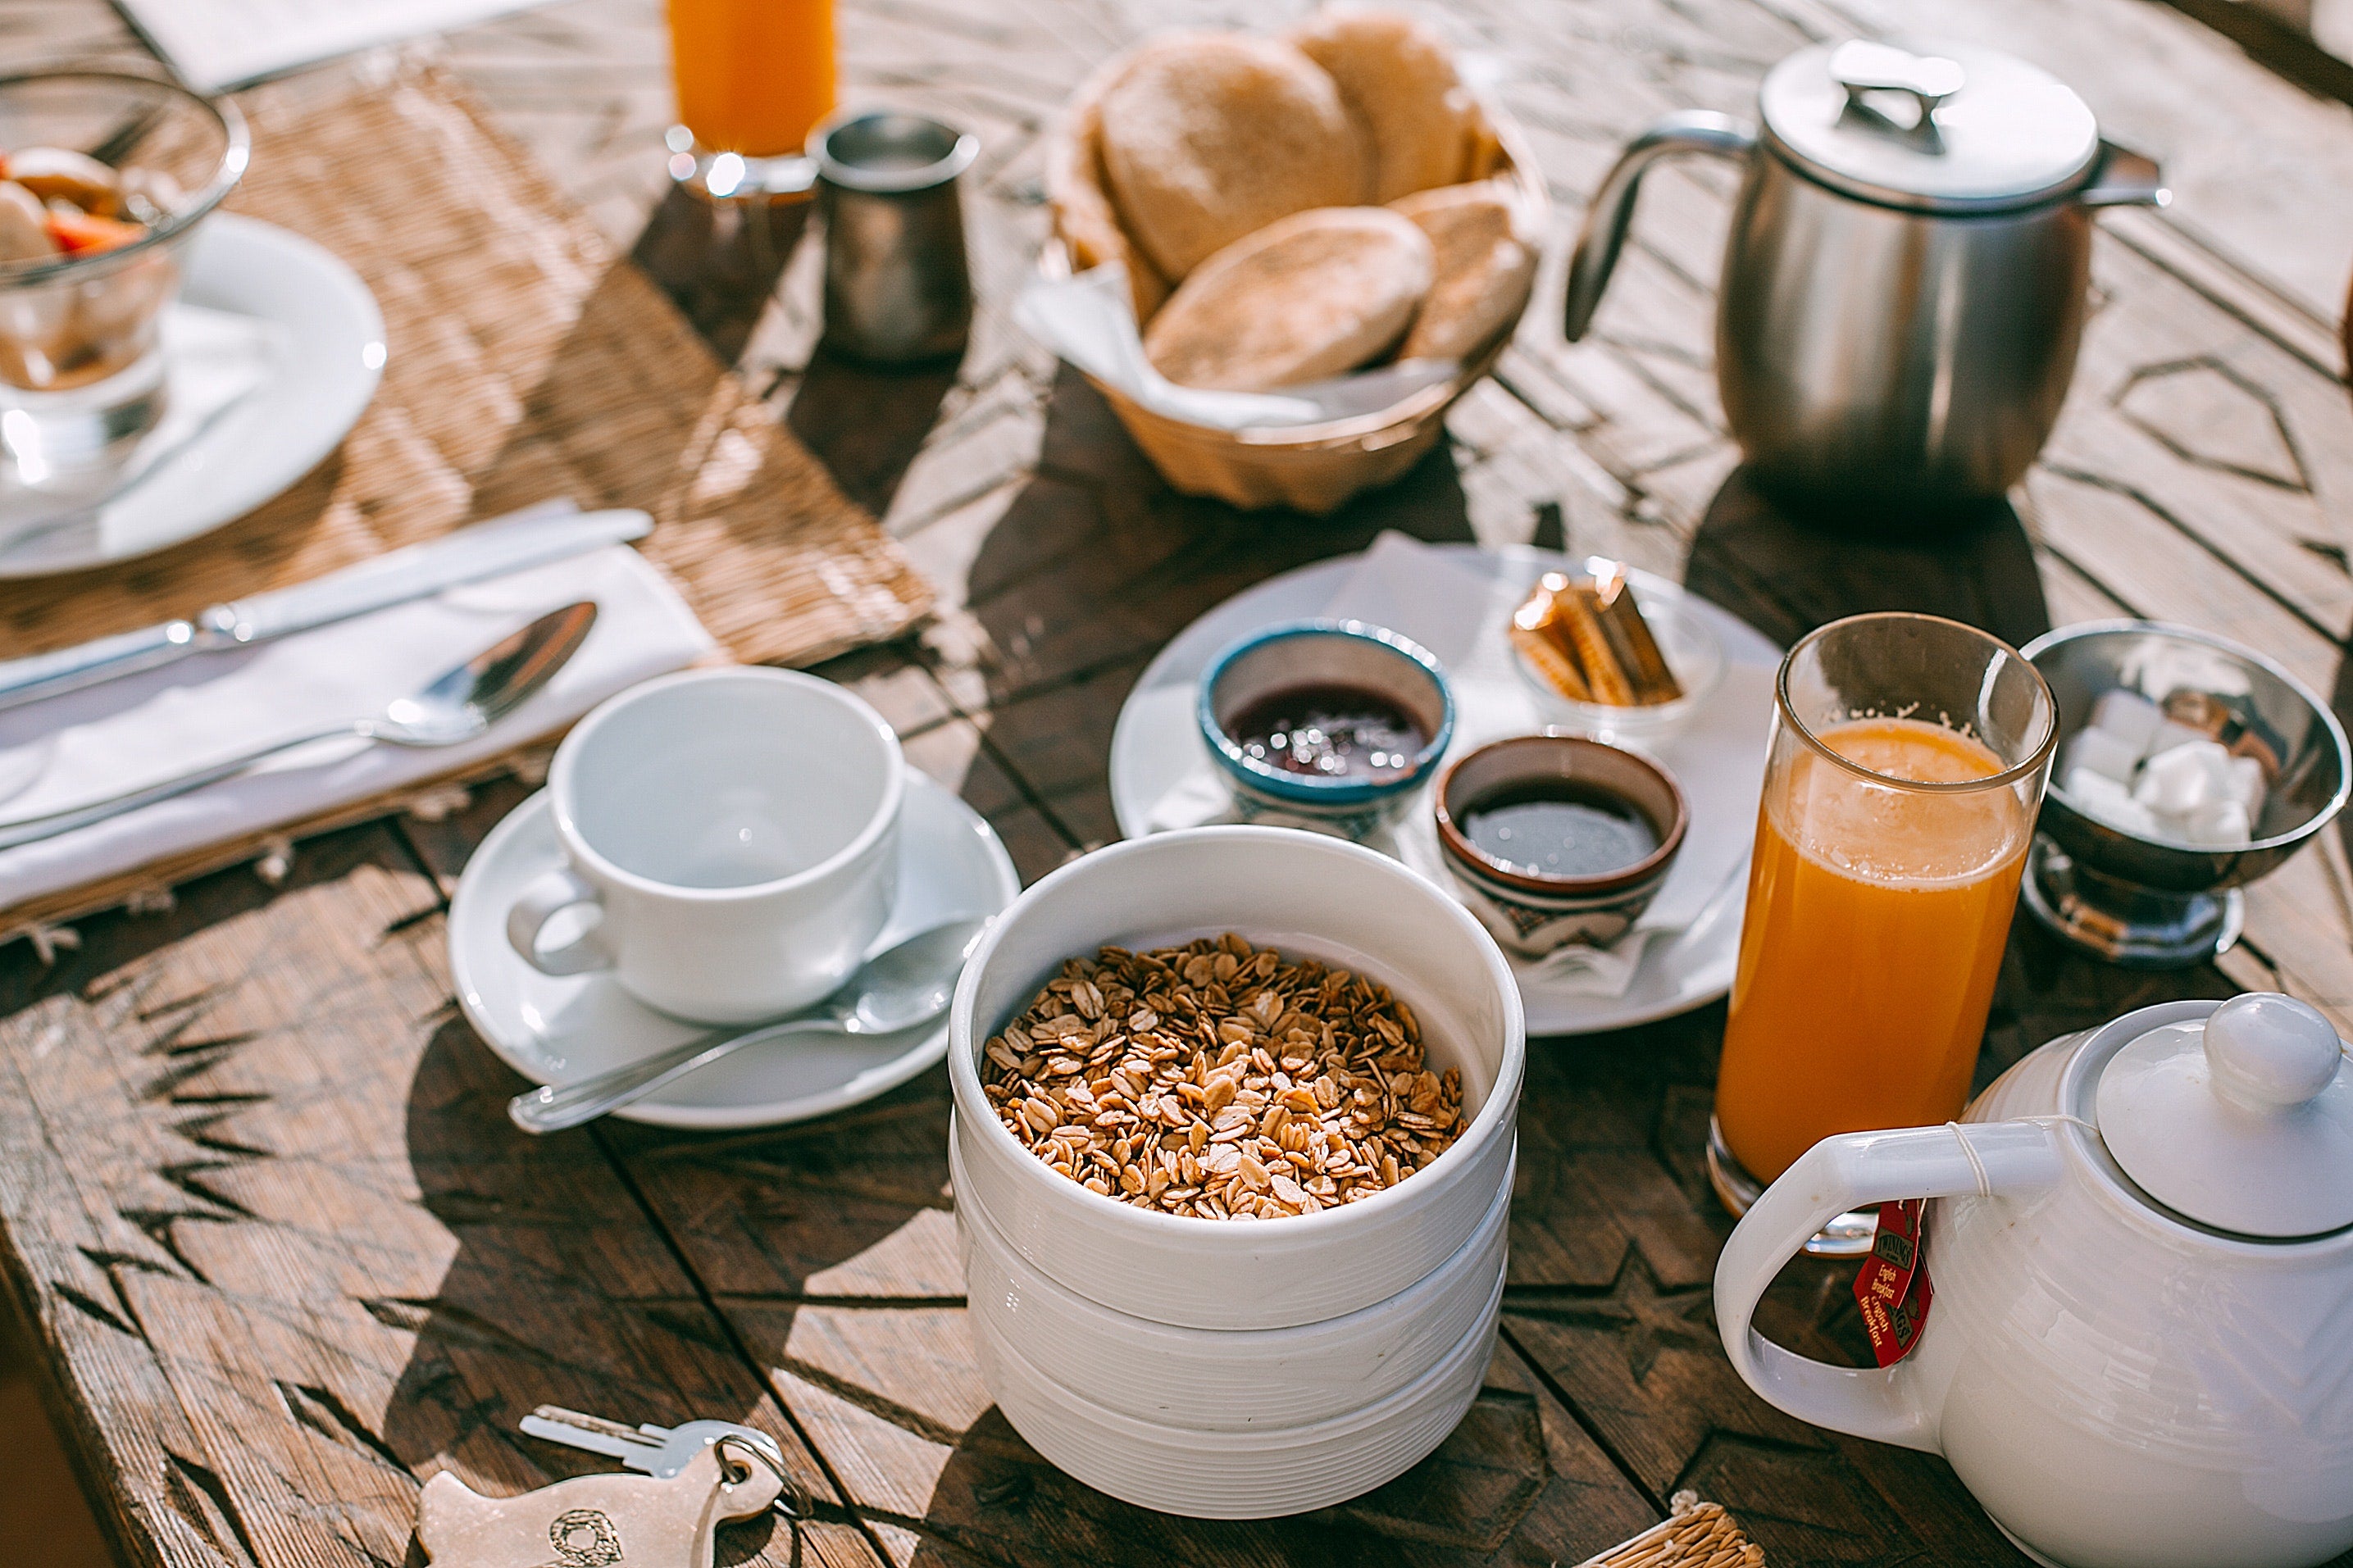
[(1533, 914)]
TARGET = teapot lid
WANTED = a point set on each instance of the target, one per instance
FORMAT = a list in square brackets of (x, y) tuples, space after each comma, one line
[(2242, 1122), (1950, 128)]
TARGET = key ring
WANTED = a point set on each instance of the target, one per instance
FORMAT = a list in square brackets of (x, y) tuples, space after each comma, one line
[(802, 1503)]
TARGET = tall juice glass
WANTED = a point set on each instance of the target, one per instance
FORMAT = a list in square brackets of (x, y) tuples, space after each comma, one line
[(1907, 762), (753, 76)]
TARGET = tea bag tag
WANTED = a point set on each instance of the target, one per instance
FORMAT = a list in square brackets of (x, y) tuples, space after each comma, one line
[(1893, 1288), (613, 1520)]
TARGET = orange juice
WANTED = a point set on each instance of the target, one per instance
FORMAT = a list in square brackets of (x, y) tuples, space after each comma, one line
[(1874, 931), (753, 76)]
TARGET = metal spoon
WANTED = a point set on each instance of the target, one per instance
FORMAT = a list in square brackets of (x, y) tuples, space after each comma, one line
[(459, 706), (897, 989)]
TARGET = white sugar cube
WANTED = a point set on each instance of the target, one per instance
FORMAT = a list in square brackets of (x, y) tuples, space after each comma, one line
[(2178, 780), (2244, 784), (2129, 717), (2088, 787), (2219, 824), (2118, 810), (2171, 736), (2100, 751), (2104, 799)]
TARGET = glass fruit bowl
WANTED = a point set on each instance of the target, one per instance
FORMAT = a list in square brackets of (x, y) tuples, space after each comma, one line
[(104, 179)]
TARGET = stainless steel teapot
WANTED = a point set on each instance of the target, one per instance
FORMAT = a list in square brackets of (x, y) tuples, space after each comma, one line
[(1907, 276)]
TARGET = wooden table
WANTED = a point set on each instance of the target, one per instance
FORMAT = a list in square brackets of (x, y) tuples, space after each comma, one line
[(287, 1257)]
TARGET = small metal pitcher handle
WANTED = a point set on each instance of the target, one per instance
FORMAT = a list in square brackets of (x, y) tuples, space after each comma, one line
[(1605, 221)]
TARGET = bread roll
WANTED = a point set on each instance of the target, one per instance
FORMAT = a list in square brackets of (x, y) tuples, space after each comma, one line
[(1397, 77), (1084, 218), (1208, 136), (1308, 296), (1483, 265)]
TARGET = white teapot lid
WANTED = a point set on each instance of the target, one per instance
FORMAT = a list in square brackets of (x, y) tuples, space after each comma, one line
[(2243, 1121)]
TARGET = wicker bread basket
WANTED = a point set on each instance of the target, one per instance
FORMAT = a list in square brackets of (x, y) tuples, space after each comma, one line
[(1310, 467)]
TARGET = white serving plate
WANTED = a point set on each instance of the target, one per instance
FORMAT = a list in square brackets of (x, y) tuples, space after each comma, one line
[(1156, 745), (334, 352)]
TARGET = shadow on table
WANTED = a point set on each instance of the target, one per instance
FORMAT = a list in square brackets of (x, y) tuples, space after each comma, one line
[(558, 1290), (866, 423), (1096, 562), (1788, 573), (719, 261)]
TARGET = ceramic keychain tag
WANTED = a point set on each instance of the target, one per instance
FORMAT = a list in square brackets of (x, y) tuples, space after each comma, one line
[(612, 1520)]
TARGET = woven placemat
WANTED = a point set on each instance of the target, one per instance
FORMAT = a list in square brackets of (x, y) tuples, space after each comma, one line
[(526, 360)]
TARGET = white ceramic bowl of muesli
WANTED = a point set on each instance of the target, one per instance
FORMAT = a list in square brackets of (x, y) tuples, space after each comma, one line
[(1256, 1474), (1227, 1380), (1307, 897)]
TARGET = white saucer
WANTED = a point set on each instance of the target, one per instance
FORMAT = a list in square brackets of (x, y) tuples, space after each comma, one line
[(334, 352), (1156, 747), (559, 1031)]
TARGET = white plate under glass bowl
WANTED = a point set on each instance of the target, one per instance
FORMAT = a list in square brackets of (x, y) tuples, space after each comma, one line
[(1156, 746), (560, 1030), (333, 353)]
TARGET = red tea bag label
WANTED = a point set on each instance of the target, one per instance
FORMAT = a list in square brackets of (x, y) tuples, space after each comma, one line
[(1892, 1288)]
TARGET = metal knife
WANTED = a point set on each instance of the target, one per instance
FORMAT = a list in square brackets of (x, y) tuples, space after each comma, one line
[(530, 538)]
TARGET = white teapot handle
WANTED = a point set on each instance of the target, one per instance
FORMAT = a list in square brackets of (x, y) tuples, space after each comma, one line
[(1995, 1159)]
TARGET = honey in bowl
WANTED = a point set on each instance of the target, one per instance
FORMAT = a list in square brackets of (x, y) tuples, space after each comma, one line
[(1558, 827), (1329, 730)]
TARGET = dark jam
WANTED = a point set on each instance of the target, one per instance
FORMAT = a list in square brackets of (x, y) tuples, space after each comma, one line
[(1558, 827), (1329, 731)]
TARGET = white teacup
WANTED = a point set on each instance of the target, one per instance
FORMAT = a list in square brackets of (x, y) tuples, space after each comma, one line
[(736, 832)]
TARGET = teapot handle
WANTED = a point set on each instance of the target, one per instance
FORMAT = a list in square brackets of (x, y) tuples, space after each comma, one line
[(1605, 221), (1995, 1159)]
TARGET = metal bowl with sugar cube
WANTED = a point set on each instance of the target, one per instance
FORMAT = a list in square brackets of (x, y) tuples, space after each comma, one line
[(2149, 877)]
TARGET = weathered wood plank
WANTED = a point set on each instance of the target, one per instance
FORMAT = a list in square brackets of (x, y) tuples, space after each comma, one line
[(263, 1202), (2202, 473)]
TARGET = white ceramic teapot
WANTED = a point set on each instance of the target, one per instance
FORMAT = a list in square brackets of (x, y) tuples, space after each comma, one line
[(2140, 1351)]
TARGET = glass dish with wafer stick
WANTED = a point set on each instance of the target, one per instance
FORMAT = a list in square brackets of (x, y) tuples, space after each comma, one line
[(1612, 653)]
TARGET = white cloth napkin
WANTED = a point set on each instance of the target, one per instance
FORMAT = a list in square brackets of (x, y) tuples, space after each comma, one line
[(106, 739), (1089, 320), (214, 359), (1719, 759)]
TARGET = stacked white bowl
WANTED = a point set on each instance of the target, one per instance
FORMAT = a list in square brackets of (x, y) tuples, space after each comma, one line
[(1240, 1369)]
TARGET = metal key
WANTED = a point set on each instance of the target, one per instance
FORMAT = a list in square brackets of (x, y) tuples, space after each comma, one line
[(659, 1451)]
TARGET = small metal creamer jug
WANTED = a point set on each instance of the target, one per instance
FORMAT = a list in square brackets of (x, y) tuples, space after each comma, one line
[(898, 289), (1906, 278)]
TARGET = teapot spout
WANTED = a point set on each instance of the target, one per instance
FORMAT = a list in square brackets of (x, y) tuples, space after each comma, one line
[(1998, 1159), (2125, 179), (1605, 221)]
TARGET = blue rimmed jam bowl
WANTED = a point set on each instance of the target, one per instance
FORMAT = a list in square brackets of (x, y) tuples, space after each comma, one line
[(1332, 724)]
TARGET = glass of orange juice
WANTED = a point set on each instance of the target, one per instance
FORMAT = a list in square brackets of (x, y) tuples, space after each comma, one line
[(752, 78), (1907, 764)]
